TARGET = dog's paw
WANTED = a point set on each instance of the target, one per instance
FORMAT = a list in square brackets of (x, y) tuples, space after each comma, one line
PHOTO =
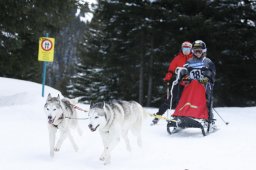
[(107, 161), (106, 158), (56, 149), (102, 158)]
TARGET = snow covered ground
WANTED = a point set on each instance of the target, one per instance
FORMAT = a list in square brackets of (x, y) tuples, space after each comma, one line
[(24, 139)]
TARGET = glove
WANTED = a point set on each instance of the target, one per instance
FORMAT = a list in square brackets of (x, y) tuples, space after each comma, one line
[(204, 80), (185, 80), (207, 73), (168, 77), (183, 73)]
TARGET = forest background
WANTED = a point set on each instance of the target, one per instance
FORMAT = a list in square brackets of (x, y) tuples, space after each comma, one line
[(124, 50)]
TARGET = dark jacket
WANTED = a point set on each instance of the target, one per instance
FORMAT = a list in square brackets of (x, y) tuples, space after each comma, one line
[(201, 67)]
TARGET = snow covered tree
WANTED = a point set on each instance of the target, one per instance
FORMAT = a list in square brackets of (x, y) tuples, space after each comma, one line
[(117, 40), (232, 46), (22, 23)]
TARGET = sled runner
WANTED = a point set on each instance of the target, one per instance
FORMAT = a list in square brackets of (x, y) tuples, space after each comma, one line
[(193, 109)]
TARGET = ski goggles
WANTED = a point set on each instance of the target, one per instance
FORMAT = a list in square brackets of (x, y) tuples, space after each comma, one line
[(186, 49), (198, 51)]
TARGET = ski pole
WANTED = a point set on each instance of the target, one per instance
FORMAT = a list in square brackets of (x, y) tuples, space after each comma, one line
[(167, 91), (167, 96), (221, 117)]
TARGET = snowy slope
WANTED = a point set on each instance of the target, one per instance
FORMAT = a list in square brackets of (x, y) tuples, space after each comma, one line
[(24, 139)]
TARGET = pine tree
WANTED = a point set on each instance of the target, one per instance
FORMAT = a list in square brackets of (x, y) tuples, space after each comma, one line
[(129, 45), (22, 23), (233, 44)]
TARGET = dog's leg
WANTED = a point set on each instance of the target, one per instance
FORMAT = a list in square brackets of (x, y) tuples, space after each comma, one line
[(110, 141), (104, 137), (139, 141), (136, 130), (52, 136), (72, 141), (126, 139), (63, 136), (79, 130)]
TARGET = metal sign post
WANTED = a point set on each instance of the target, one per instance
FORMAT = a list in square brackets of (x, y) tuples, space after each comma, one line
[(44, 76), (45, 54)]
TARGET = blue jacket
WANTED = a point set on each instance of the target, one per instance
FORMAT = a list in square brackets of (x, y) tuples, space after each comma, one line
[(201, 67)]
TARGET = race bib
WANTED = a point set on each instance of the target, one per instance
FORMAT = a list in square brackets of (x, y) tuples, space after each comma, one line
[(195, 74)]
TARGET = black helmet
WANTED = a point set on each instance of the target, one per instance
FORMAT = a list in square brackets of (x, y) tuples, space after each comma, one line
[(199, 44)]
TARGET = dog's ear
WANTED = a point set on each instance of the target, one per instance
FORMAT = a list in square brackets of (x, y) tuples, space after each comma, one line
[(58, 98), (49, 96)]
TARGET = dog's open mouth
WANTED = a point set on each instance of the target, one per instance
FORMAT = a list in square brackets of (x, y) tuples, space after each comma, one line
[(91, 127), (50, 121)]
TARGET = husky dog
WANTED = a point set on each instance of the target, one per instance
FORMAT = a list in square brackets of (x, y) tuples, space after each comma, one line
[(61, 117), (115, 119)]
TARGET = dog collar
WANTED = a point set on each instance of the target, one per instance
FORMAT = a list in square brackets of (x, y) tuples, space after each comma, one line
[(60, 118), (56, 126)]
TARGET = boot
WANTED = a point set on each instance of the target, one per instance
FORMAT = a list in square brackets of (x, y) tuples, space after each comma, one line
[(155, 121)]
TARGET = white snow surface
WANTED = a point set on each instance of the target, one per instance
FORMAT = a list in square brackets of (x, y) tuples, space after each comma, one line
[(24, 141)]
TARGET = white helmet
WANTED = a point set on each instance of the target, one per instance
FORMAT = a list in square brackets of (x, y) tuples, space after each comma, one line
[(186, 44)]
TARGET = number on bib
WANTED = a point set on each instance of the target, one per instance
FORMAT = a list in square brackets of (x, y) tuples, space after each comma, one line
[(195, 74)]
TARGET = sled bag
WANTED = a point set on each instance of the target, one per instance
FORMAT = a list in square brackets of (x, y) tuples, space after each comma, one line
[(193, 102)]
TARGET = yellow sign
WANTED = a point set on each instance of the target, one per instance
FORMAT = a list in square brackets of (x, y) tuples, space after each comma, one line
[(46, 49)]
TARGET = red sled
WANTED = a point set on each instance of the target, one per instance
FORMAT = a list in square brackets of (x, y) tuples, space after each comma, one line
[(192, 110)]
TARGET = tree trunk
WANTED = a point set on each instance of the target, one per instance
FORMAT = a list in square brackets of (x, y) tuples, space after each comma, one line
[(141, 83), (141, 76), (150, 81)]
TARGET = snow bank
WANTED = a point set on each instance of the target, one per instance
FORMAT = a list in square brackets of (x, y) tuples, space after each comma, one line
[(24, 139)]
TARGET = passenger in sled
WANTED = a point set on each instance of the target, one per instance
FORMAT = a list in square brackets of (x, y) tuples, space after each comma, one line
[(196, 100), (178, 61)]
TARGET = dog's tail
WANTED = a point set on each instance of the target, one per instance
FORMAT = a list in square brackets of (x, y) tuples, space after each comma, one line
[(75, 100), (145, 114)]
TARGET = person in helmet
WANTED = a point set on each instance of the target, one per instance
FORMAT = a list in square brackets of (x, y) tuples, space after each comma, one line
[(179, 60), (203, 69)]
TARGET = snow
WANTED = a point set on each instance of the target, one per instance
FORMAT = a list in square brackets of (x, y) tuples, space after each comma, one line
[(24, 139), (88, 15)]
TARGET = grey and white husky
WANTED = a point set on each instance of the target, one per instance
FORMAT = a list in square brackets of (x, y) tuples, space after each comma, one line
[(61, 117), (114, 120)]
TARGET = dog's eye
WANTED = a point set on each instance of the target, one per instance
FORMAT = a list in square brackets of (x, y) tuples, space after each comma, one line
[(47, 108), (96, 117), (54, 109)]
